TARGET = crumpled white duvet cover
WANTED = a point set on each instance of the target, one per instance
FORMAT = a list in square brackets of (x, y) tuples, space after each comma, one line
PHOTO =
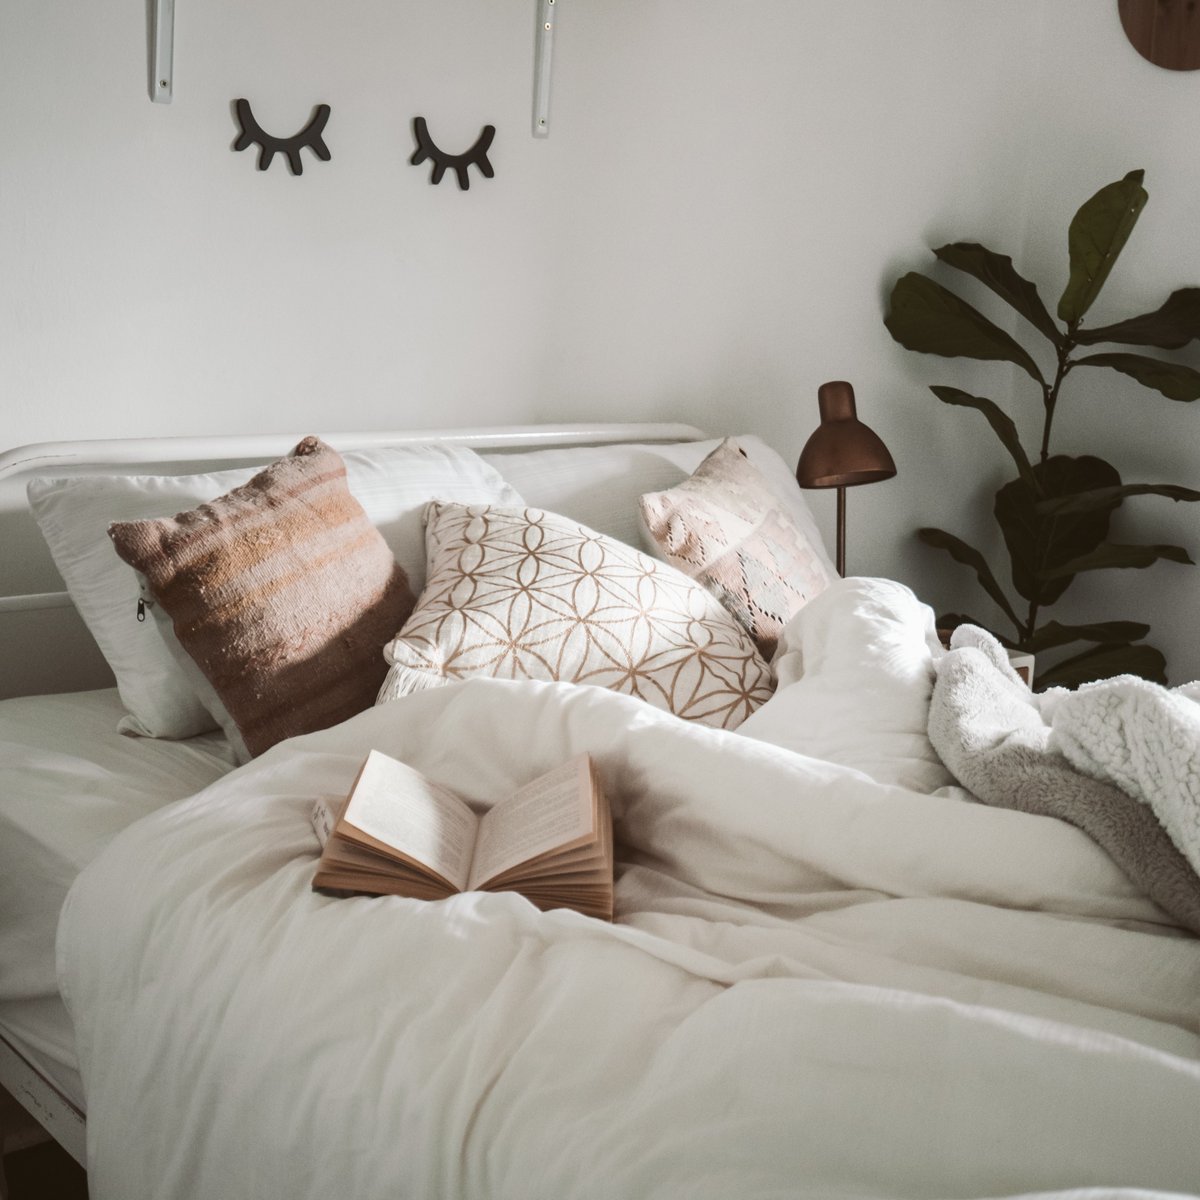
[(819, 984)]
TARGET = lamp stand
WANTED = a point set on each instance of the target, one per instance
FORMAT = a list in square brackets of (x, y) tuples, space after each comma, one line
[(841, 531), (841, 452)]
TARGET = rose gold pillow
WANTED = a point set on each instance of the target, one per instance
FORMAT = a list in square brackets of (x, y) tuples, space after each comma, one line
[(518, 593), (726, 528), (282, 593)]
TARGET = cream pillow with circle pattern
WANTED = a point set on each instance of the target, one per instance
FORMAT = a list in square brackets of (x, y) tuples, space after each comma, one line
[(518, 593)]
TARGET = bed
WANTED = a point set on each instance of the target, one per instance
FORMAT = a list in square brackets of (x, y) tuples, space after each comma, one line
[(832, 970)]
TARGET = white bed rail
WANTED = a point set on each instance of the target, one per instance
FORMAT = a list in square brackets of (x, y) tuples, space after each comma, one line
[(42, 1099), (49, 456)]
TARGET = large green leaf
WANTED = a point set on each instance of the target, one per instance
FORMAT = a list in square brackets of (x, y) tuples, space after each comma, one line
[(1104, 497), (1174, 380), (1052, 635), (970, 557), (1098, 233), (1103, 662), (1173, 325), (997, 272), (997, 418), (1038, 542), (1109, 555), (931, 319)]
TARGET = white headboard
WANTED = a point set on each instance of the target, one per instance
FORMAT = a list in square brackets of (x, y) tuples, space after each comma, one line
[(44, 646)]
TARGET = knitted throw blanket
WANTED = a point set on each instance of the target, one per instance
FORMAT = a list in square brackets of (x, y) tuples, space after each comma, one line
[(1143, 738), (1116, 759)]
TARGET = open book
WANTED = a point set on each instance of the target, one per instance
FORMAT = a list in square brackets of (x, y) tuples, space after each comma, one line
[(400, 834)]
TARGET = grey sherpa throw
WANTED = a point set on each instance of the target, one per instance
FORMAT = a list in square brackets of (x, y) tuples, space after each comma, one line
[(1141, 737), (989, 730)]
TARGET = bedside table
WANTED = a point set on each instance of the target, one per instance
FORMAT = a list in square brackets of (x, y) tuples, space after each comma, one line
[(1023, 664)]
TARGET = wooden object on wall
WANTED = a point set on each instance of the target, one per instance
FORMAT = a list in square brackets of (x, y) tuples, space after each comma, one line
[(543, 68), (162, 51), (458, 163), (1167, 32), (310, 136)]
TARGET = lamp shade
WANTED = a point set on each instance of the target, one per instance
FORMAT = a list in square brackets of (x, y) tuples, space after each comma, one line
[(842, 451)]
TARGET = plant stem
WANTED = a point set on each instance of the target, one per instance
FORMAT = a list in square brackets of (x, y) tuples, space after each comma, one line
[(1050, 399), (1030, 623), (1051, 390)]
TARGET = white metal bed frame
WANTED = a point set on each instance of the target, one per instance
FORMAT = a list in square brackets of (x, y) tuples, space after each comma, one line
[(56, 1112), (223, 449)]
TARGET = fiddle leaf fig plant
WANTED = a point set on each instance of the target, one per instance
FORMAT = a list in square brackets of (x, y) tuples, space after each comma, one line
[(1055, 511)]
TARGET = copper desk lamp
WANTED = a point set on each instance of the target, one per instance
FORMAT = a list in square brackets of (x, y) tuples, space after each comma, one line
[(842, 452)]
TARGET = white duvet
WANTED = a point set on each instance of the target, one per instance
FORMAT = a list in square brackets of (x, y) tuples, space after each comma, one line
[(822, 982)]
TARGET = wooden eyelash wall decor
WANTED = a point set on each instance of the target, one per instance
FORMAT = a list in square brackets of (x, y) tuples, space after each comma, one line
[(427, 148), (253, 133)]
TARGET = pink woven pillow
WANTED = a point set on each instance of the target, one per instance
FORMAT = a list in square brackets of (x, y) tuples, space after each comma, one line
[(282, 593), (725, 527)]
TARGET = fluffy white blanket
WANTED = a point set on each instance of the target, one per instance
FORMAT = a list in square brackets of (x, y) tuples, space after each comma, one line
[(819, 984), (991, 732), (1143, 738)]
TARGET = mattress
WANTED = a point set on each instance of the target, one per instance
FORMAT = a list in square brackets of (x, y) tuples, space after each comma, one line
[(69, 783)]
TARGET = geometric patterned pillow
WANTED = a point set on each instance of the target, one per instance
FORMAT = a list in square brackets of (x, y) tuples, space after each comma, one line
[(726, 528), (518, 593), (281, 592)]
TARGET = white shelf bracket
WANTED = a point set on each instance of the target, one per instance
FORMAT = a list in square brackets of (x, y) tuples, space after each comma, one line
[(163, 41), (543, 61)]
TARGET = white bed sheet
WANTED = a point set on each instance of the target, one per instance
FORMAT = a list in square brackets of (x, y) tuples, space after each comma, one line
[(69, 782)]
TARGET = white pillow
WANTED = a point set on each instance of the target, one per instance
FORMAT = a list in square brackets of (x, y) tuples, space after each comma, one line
[(392, 484), (599, 486)]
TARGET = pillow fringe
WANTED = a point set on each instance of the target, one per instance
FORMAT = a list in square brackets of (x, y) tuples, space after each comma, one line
[(403, 681)]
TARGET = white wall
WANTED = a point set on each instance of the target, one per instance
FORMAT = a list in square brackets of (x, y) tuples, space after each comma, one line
[(1094, 110), (1106, 111), (709, 232)]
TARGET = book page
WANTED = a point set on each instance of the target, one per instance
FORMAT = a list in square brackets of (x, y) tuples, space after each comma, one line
[(399, 807), (551, 812), (324, 816)]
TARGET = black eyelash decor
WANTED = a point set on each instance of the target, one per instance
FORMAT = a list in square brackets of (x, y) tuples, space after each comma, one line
[(458, 163), (310, 136)]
